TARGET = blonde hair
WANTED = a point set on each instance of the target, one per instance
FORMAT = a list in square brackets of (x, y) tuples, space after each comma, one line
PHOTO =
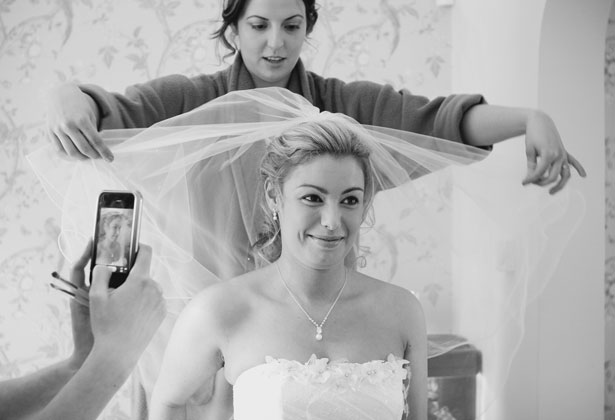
[(332, 136)]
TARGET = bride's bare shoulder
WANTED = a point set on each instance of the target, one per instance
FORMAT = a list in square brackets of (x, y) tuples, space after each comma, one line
[(390, 295), (227, 299)]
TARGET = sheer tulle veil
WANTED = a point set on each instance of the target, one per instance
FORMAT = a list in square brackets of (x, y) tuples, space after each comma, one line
[(450, 222)]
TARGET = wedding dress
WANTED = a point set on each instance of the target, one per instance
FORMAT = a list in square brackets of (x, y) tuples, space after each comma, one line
[(282, 389), (450, 222)]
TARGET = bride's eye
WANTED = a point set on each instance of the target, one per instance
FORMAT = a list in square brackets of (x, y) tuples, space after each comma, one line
[(351, 200), (312, 198)]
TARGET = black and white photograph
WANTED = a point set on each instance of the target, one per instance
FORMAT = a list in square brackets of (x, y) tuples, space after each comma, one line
[(341, 209)]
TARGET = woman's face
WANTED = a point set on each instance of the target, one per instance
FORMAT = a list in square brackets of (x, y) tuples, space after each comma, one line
[(112, 230), (321, 210), (271, 34)]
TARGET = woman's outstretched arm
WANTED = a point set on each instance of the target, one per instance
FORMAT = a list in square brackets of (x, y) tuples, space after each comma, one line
[(548, 162)]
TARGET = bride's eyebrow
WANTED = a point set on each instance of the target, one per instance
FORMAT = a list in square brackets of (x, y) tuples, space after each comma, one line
[(352, 189), (324, 190)]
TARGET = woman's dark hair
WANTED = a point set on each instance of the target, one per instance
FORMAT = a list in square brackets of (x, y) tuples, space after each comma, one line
[(233, 9)]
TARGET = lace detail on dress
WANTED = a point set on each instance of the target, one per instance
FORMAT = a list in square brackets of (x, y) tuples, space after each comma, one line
[(282, 389), (340, 374)]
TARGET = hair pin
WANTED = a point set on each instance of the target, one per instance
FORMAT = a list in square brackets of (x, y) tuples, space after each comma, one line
[(80, 294), (57, 276), (59, 289)]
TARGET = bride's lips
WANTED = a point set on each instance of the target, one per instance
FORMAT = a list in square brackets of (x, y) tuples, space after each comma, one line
[(327, 241)]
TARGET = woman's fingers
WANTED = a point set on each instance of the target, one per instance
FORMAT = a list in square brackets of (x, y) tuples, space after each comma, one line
[(577, 165), (537, 174), (72, 121), (565, 176), (547, 172), (566, 172), (143, 261), (77, 276), (553, 173), (99, 289), (56, 142), (82, 144), (69, 147), (97, 143)]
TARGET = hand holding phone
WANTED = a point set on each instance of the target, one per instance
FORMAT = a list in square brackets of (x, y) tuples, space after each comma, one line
[(125, 320), (116, 233)]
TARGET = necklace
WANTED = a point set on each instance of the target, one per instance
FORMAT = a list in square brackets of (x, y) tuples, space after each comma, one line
[(317, 325)]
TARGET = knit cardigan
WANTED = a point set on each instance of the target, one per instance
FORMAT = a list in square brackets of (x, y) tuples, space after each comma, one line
[(369, 103)]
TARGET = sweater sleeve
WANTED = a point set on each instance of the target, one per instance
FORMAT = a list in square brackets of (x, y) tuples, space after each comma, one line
[(145, 104), (381, 105)]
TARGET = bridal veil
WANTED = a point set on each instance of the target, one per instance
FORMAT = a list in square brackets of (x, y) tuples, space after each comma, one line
[(450, 222)]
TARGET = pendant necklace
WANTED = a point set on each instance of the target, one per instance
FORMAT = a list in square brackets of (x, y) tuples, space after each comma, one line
[(317, 325)]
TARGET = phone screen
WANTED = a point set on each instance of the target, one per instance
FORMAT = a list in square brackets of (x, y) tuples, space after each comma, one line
[(116, 232), (113, 241)]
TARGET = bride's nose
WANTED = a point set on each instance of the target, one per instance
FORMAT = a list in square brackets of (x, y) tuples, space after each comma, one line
[(330, 217)]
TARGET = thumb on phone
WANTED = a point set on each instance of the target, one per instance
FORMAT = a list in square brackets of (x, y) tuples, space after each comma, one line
[(77, 276), (143, 261), (99, 289)]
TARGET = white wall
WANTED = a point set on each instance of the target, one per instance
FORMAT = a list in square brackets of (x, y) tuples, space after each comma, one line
[(550, 54)]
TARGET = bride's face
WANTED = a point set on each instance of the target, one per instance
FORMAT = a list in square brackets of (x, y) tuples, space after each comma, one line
[(112, 230), (321, 210)]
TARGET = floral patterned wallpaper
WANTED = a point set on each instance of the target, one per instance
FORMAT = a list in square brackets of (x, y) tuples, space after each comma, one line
[(115, 44)]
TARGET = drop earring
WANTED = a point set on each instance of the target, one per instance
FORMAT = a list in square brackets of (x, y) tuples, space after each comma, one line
[(275, 216)]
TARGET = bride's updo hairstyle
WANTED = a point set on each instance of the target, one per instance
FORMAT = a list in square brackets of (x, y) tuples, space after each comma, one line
[(332, 136), (233, 10)]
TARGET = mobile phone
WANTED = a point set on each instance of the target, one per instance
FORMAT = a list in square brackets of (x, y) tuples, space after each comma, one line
[(116, 233)]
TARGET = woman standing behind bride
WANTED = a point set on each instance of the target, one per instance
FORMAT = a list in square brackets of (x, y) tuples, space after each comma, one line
[(306, 335), (267, 37)]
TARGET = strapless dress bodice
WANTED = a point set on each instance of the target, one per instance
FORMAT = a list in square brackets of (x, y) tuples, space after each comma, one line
[(282, 389)]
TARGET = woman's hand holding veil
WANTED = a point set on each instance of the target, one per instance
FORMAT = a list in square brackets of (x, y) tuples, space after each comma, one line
[(548, 161), (72, 118)]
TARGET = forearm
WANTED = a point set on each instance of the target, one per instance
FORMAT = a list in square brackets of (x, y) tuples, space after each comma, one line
[(417, 398), (417, 395), (22, 397), (148, 103), (485, 125), (90, 389)]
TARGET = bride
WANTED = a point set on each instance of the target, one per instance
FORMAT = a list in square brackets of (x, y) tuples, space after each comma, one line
[(306, 336)]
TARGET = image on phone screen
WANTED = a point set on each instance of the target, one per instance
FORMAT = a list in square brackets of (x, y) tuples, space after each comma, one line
[(114, 233)]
